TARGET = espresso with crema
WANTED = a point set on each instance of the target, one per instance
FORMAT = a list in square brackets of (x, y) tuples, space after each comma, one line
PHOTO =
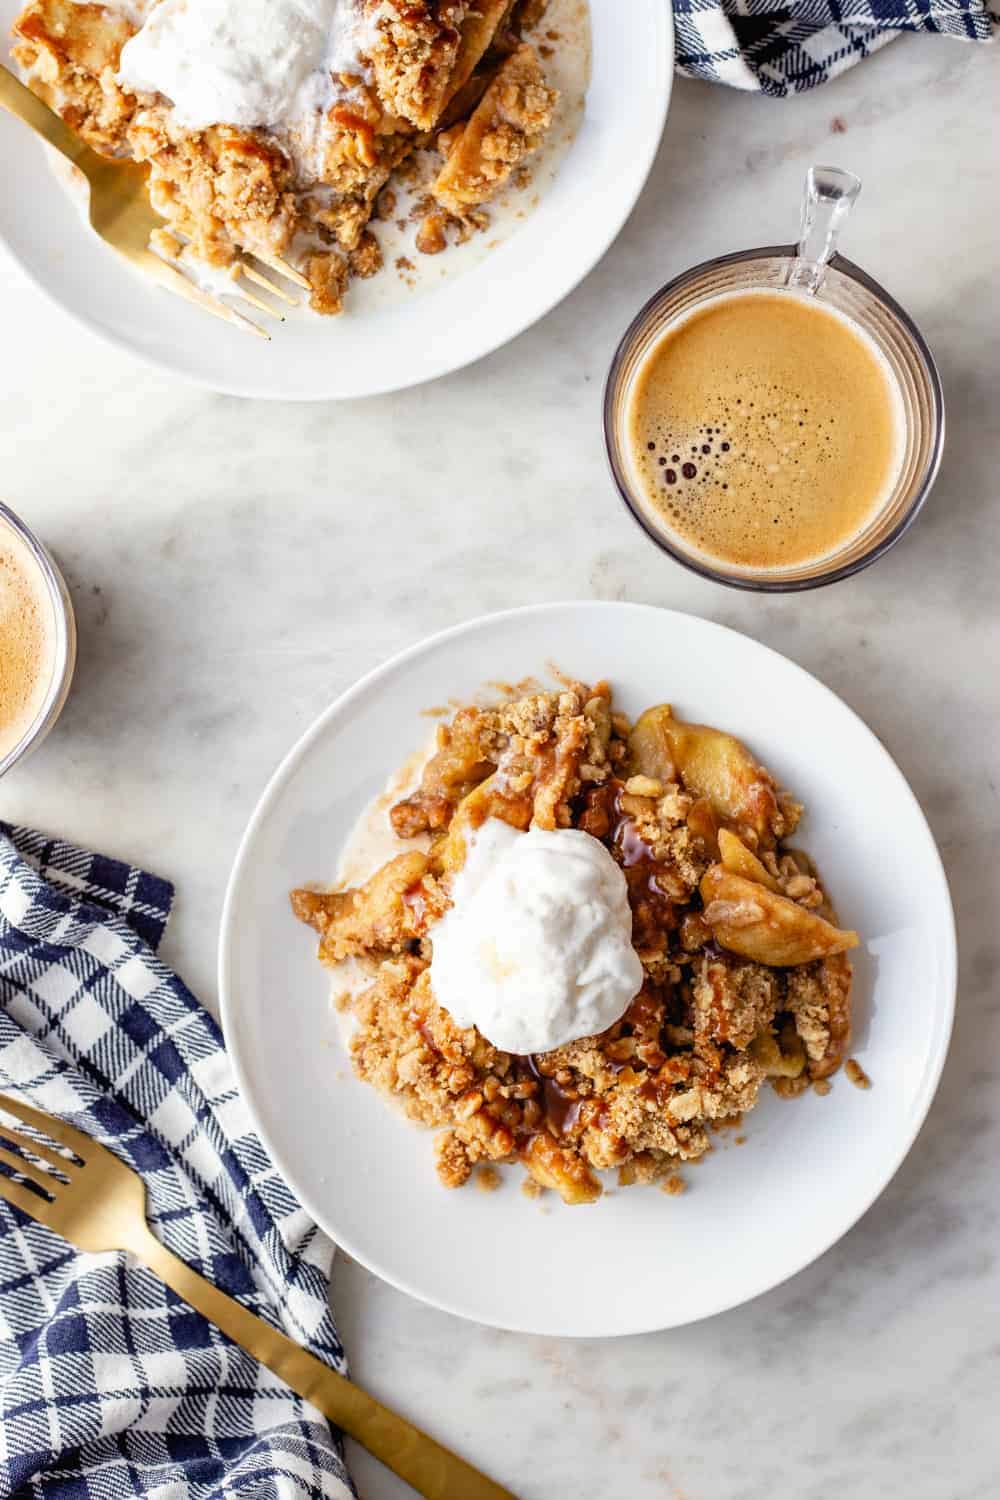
[(27, 640), (765, 431)]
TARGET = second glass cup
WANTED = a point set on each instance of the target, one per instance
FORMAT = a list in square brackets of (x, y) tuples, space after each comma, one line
[(48, 671), (808, 270)]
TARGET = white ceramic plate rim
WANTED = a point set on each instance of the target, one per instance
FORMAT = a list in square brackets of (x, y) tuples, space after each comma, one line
[(525, 297), (937, 1046)]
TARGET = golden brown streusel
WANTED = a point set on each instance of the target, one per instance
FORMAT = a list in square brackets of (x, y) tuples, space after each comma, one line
[(683, 809)]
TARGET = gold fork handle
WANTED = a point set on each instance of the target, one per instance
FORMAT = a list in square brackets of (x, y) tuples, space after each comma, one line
[(20, 101), (432, 1470)]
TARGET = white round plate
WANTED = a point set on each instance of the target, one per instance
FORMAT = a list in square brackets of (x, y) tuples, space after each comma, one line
[(433, 331), (753, 1214)]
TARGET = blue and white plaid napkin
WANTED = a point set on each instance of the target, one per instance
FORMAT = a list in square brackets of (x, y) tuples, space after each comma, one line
[(780, 49), (109, 1384)]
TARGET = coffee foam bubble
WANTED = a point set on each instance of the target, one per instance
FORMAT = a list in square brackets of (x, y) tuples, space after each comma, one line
[(726, 455)]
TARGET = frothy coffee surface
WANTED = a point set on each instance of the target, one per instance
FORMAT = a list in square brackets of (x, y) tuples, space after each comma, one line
[(27, 640), (765, 430)]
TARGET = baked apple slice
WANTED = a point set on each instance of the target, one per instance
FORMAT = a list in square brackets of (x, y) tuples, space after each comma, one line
[(563, 1171), (739, 860), (748, 919), (710, 763), (508, 124), (373, 918)]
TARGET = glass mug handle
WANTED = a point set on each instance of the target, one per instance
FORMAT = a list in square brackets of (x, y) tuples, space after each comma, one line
[(829, 195)]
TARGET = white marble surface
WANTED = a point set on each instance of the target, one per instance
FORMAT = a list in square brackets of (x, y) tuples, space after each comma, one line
[(235, 566)]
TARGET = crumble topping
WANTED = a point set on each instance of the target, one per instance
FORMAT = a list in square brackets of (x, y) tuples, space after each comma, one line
[(681, 807), (306, 188)]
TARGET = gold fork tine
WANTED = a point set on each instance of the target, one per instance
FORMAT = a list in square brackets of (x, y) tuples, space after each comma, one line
[(265, 281), (25, 1143), (31, 1170), (24, 1199), (57, 1130), (257, 302), (174, 281), (183, 263), (283, 268)]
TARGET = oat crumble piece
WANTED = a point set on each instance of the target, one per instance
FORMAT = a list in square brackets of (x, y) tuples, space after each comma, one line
[(856, 1074), (431, 238), (414, 53), (366, 258)]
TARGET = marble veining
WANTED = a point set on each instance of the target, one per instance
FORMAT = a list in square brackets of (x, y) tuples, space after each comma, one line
[(235, 566)]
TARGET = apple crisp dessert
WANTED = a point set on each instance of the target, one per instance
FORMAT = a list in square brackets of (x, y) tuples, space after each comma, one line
[(743, 973), (292, 127)]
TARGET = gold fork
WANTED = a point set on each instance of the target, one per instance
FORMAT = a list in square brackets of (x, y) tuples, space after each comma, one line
[(121, 213), (98, 1203)]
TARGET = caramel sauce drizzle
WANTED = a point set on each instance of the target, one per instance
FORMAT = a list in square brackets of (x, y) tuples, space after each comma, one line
[(653, 912)]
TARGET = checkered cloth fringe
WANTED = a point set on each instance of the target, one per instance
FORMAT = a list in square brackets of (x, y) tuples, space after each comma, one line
[(782, 49), (111, 1386)]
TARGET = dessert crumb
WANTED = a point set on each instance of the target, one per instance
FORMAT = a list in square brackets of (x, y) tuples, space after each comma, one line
[(822, 1086), (531, 1189), (431, 238), (790, 1088), (487, 1179), (856, 1074), (673, 1185)]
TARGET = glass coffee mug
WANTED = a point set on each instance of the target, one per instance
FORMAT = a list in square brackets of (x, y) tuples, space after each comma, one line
[(37, 641), (810, 270)]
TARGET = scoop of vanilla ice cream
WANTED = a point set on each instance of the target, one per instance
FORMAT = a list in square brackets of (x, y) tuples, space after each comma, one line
[(238, 64), (536, 949)]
